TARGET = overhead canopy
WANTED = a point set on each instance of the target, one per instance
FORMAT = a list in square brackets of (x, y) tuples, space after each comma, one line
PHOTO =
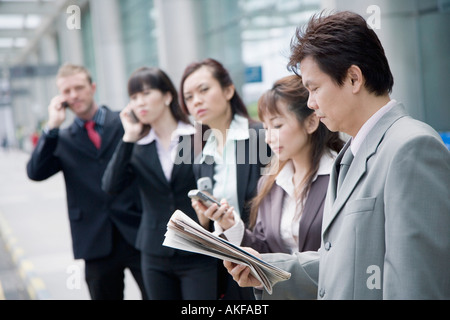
[(22, 23)]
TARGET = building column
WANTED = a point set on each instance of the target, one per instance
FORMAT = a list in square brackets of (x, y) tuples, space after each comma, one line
[(175, 18), (109, 56), (70, 43)]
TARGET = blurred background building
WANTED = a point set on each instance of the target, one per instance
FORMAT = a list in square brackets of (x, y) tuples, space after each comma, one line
[(250, 37)]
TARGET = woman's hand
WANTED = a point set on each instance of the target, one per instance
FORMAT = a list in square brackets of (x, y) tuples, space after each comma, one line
[(223, 215), (241, 273), (200, 208), (133, 130)]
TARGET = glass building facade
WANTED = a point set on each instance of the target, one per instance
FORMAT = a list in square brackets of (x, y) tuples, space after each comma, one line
[(250, 37)]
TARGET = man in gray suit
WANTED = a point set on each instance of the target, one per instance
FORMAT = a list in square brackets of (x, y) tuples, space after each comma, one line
[(386, 227)]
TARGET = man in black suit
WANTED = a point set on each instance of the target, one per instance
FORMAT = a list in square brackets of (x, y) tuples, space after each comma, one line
[(103, 227)]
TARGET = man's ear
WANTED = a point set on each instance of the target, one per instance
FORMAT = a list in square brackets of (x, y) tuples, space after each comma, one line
[(355, 76), (311, 123)]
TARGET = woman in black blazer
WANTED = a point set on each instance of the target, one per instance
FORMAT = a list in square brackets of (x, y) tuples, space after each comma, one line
[(156, 151), (235, 152)]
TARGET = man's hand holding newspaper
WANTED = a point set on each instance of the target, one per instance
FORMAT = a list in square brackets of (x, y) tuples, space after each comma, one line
[(183, 233)]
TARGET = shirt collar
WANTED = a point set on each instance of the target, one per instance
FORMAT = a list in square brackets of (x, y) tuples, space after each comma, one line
[(183, 129), (326, 164), (357, 141), (284, 177), (238, 131), (99, 118)]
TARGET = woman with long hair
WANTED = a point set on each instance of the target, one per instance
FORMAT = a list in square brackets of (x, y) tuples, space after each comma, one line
[(232, 157), (286, 214)]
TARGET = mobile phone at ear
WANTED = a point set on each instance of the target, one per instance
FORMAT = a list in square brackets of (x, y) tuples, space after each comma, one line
[(145, 127), (203, 197), (133, 117)]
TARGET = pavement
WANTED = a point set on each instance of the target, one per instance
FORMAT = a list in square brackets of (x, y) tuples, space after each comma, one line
[(12, 286), (36, 260)]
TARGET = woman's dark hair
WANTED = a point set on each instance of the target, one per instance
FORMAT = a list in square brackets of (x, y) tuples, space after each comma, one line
[(154, 78), (291, 91), (222, 76), (338, 41)]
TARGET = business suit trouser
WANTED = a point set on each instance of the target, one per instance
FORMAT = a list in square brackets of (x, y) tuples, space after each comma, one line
[(105, 276), (180, 277)]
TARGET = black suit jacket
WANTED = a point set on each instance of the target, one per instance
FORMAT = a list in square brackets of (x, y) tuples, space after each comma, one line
[(249, 167), (92, 212), (160, 198)]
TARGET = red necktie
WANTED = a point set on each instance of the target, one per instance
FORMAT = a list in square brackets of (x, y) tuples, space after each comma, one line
[(93, 135)]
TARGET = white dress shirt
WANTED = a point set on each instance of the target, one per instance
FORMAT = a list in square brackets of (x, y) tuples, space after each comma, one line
[(225, 176), (368, 125), (167, 156)]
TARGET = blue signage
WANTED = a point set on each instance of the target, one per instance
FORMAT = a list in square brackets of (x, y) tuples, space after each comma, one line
[(253, 74), (446, 138)]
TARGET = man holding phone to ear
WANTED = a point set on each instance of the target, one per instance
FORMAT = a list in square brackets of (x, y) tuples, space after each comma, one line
[(103, 227)]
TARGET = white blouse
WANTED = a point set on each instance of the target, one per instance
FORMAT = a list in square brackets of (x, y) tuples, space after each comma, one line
[(167, 157), (225, 174), (291, 212)]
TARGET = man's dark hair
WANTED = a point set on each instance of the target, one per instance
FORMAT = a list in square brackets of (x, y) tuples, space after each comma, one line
[(338, 41)]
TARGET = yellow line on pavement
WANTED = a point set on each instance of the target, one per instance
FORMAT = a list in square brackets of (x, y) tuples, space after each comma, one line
[(34, 284), (2, 294), (3, 229)]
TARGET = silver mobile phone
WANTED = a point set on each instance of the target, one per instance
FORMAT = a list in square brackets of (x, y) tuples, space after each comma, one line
[(203, 197), (205, 184)]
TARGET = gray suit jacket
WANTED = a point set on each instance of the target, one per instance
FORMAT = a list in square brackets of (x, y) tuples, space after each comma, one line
[(386, 235)]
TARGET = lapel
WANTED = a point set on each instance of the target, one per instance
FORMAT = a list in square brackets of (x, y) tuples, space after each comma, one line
[(110, 131), (316, 195), (155, 164), (184, 154), (207, 168), (359, 165), (242, 171), (81, 141), (276, 204)]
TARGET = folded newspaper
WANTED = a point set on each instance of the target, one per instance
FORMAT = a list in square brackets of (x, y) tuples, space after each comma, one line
[(185, 234)]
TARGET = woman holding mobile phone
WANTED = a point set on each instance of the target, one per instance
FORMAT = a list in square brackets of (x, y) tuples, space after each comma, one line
[(234, 154), (151, 152)]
